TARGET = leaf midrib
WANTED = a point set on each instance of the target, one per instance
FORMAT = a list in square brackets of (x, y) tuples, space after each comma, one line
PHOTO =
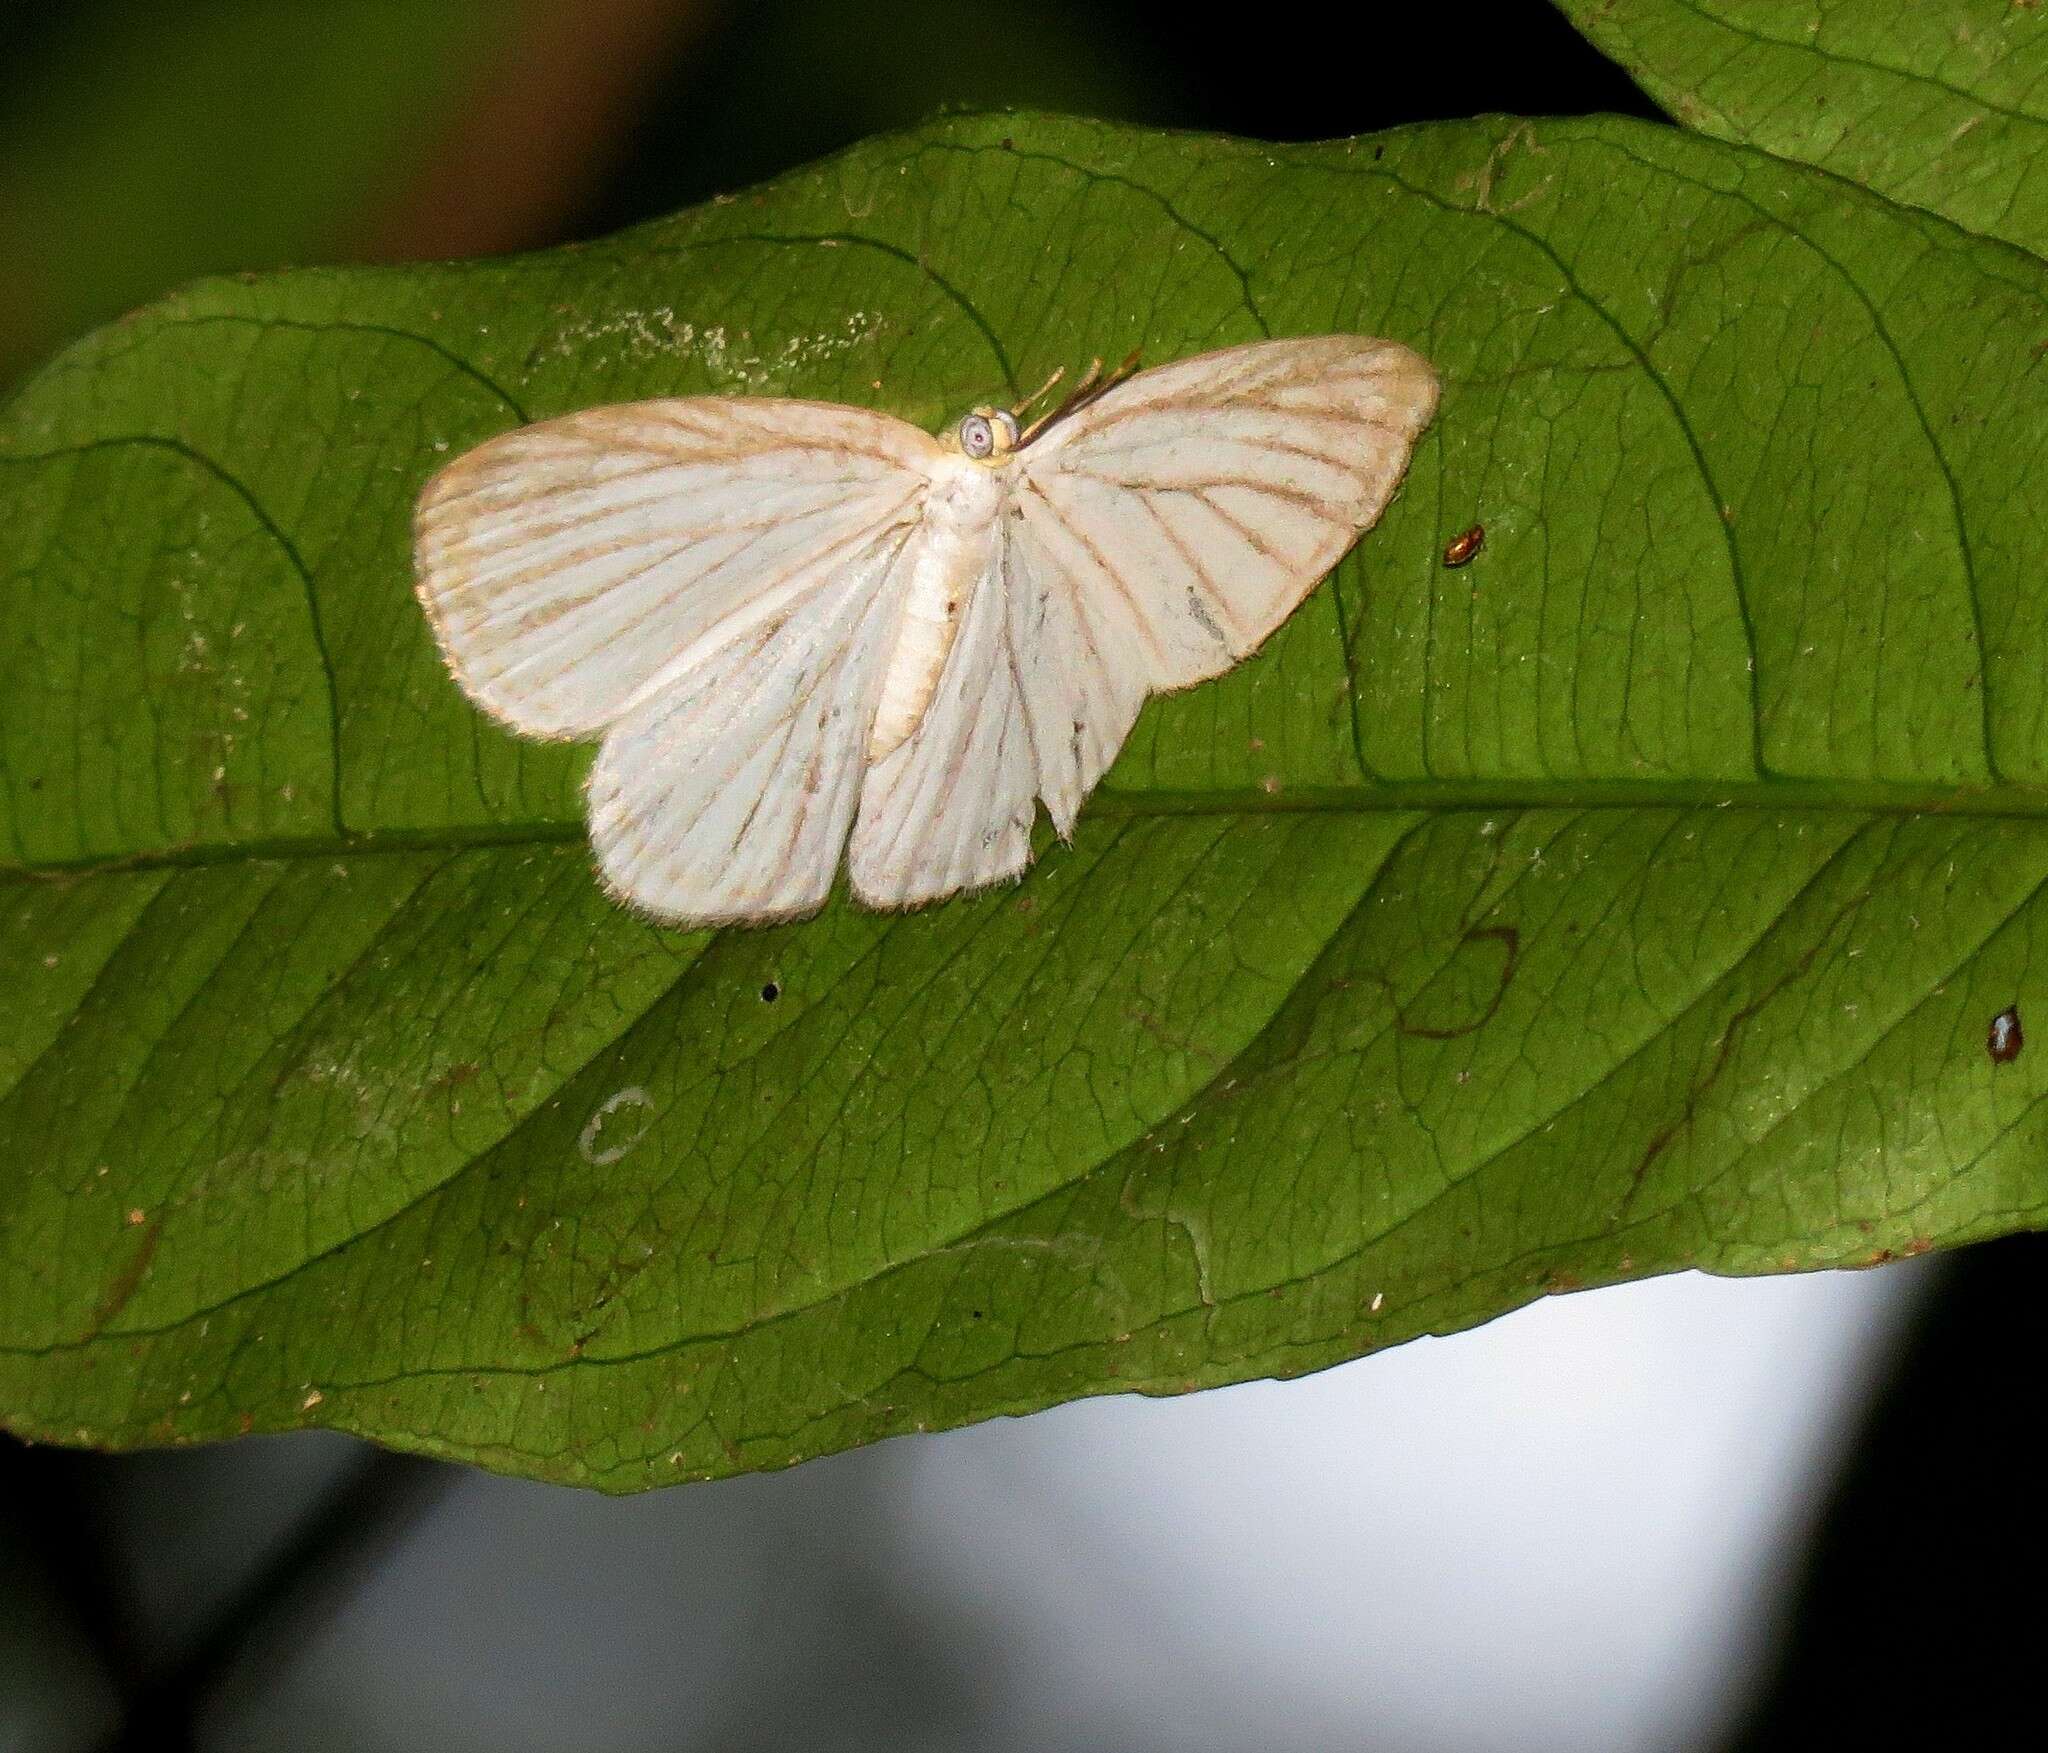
[(1396, 797)]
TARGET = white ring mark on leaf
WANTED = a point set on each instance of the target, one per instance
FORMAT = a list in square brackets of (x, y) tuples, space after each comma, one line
[(620, 1122)]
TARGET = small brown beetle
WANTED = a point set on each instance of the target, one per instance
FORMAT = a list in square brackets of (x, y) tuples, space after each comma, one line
[(1463, 547)]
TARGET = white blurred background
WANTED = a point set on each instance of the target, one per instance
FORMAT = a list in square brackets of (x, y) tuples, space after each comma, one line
[(1574, 1528)]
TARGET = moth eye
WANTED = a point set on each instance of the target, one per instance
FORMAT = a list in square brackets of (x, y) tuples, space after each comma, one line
[(977, 437)]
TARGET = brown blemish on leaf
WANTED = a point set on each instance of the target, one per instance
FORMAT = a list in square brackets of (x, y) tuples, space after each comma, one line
[(1522, 135), (1150, 1023), (124, 1284), (1724, 1046), (1510, 941)]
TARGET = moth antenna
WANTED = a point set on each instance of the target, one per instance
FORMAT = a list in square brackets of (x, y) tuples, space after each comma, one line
[(1092, 384), (1038, 395), (1074, 396)]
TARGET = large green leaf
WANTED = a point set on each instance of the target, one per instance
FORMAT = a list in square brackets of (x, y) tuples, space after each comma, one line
[(1944, 106), (1635, 898)]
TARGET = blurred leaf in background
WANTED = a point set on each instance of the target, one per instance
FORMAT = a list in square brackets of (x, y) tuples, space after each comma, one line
[(143, 145)]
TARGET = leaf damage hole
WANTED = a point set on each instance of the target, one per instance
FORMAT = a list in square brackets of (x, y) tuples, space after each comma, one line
[(770, 993), (2004, 1039)]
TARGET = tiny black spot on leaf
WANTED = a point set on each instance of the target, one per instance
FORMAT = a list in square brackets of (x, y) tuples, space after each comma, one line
[(770, 993)]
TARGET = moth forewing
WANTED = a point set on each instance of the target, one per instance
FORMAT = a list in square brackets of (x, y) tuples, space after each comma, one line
[(566, 565), (1213, 494)]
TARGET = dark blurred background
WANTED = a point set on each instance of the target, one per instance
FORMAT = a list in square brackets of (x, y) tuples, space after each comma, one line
[(1687, 1514)]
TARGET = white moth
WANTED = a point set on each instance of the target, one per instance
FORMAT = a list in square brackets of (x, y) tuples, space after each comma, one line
[(795, 624)]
